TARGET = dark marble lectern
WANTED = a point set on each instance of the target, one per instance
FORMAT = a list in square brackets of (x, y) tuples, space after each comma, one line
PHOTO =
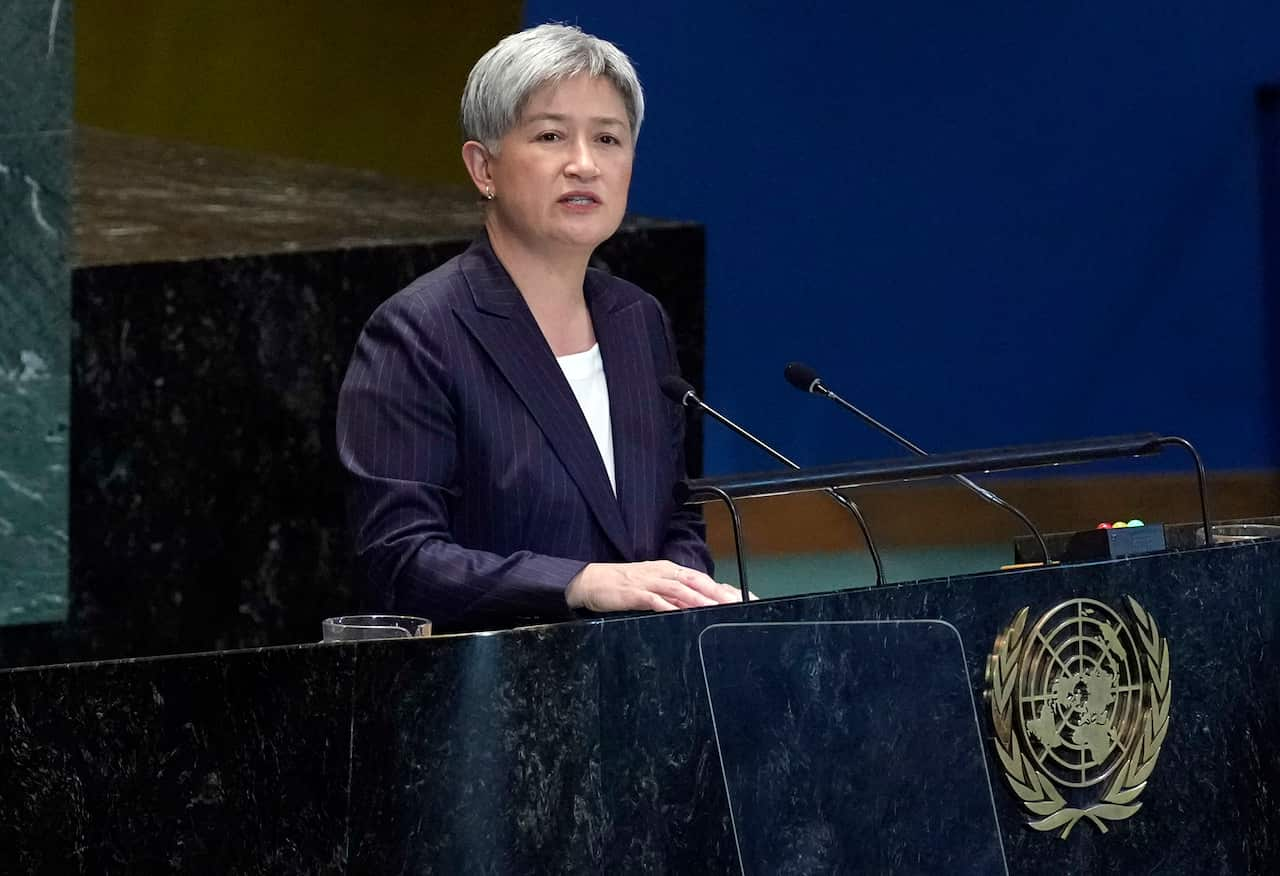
[(647, 744)]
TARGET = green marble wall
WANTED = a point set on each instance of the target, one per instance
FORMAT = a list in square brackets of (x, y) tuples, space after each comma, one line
[(35, 320)]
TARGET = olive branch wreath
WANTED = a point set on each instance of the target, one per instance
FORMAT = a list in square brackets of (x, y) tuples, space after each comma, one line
[(1037, 792)]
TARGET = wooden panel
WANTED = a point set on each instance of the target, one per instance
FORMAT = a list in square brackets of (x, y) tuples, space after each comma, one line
[(944, 513)]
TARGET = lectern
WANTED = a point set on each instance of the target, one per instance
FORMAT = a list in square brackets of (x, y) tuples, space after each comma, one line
[(828, 733)]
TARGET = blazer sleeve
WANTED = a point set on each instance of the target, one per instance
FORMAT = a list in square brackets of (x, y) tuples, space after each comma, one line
[(685, 539), (398, 444)]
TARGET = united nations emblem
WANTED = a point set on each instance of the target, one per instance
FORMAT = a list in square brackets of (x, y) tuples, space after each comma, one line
[(1080, 708)]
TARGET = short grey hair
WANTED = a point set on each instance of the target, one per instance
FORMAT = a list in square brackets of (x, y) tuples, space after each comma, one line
[(504, 78)]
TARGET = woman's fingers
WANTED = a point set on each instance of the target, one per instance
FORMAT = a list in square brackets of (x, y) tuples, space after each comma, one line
[(677, 592), (656, 586), (718, 593), (658, 603)]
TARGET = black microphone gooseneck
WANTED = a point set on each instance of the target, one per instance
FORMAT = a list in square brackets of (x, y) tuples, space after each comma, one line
[(805, 379), (681, 392)]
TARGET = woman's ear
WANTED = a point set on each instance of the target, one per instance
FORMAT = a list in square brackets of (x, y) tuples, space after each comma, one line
[(476, 157)]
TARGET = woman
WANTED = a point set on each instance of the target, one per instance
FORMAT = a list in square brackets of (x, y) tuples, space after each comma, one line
[(510, 455)]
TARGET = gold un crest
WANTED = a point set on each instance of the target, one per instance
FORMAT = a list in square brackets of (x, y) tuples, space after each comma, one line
[(1080, 708)]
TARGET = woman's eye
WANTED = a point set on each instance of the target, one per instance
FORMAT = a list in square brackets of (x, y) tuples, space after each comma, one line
[(548, 136), (609, 139)]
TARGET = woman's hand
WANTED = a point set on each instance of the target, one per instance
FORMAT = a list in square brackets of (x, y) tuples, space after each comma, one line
[(658, 585)]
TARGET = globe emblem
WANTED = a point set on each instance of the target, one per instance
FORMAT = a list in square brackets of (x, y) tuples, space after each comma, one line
[(1079, 693)]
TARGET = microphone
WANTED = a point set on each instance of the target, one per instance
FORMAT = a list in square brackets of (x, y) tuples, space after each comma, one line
[(805, 379), (681, 392)]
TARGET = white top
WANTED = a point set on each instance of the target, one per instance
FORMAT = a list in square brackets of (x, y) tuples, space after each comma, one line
[(585, 373)]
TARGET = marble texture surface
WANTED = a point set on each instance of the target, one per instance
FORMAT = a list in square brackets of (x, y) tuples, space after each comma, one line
[(589, 747), (450, 743), (232, 765), (35, 67), (144, 200), (35, 325)]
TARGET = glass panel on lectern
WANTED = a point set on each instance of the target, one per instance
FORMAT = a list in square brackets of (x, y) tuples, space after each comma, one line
[(851, 747)]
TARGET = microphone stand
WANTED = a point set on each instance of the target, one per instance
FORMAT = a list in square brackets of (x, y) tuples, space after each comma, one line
[(689, 396), (817, 387)]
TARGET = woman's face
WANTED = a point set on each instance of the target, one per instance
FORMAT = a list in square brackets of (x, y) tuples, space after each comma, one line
[(562, 173)]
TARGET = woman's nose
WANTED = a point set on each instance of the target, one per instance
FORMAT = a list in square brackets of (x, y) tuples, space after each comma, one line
[(582, 162)]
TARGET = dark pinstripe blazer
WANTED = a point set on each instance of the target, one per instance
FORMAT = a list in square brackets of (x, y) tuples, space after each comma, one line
[(476, 490)]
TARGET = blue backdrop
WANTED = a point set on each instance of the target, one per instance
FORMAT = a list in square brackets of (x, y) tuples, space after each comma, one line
[(993, 224)]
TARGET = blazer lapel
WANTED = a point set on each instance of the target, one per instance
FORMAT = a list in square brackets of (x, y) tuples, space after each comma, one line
[(504, 326), (624, 346)]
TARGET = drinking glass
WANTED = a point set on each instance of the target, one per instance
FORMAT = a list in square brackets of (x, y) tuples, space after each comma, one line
[(354, 627)]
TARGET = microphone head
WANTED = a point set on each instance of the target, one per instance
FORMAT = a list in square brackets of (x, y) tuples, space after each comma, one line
[(802, 377), (676, 388)]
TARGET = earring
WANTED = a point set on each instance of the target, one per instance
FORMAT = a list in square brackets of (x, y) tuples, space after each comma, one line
[(488, 193)]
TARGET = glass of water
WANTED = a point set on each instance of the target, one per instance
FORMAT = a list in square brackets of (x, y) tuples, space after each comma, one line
[(355, 627)]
